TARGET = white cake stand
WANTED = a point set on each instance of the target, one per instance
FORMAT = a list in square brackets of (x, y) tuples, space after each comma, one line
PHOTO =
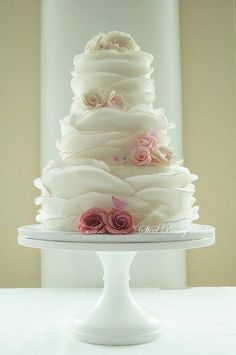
[(116, 319)]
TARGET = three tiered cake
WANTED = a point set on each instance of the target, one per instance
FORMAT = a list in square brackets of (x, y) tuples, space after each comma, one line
[(117, 173)]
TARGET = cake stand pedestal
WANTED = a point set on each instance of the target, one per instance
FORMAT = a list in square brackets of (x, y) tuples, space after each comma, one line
[(116, 319)]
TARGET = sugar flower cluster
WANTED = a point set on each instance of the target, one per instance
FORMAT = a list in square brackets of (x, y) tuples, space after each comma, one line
[(147, 150), (99, 221), (103, 99), (119, 41), (96, 99)]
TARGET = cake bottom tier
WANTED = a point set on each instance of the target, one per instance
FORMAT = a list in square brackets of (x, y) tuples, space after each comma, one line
[(154, 195)]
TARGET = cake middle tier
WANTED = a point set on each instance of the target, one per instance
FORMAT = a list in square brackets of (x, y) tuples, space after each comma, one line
[(106, 133), (153, 194)]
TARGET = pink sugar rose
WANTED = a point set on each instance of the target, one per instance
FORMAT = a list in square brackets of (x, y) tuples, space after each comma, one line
[(120, 222), (92, 100), (116, 100), (140, 156), (146, 140), (162, 155), (92, 221)]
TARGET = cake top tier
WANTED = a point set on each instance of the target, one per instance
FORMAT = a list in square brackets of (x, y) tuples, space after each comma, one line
[(112, 64), (120, 41)]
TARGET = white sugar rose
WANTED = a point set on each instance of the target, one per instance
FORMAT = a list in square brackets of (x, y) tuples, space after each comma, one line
[(162, 155), (116, 100), (98, 42), (93, 100), (117, 40)]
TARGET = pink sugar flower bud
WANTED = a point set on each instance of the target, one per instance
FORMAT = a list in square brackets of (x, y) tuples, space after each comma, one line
[(116, 158), (117, 203)]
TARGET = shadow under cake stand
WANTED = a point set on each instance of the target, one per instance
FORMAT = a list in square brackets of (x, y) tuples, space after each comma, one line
[(116, 319)]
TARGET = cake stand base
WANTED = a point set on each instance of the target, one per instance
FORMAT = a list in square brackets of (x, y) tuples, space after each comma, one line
[(116, 318)]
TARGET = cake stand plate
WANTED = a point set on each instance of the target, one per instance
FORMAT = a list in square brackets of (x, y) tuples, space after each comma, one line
[(116, 319)]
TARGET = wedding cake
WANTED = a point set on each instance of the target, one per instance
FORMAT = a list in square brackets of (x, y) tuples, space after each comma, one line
[(117, 173)]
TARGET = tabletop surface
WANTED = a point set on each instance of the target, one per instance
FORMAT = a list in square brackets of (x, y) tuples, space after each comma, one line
[(196, 321)]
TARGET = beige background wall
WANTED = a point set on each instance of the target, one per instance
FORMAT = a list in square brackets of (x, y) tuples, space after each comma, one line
[(209, 133), (209, 121), (19, 143)]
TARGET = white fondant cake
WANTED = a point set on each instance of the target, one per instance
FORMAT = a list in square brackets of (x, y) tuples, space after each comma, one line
[(117, 172)]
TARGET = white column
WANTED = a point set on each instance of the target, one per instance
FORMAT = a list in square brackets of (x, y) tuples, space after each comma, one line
[(66, 26)]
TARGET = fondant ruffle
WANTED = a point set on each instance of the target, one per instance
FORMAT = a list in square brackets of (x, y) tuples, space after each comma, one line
[(70, 187)]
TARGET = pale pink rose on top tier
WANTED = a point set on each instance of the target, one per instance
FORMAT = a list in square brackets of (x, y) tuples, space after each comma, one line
[(111, 46), (116, 100), (147, 140), (93, 100), (120, 222), (92, 221), (119, 41), (162, 155), (140, 156)]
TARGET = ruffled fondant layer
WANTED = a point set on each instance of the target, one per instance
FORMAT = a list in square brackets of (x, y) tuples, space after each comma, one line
[(127, 73), (127, 63), (113, 134), (153, 195)]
